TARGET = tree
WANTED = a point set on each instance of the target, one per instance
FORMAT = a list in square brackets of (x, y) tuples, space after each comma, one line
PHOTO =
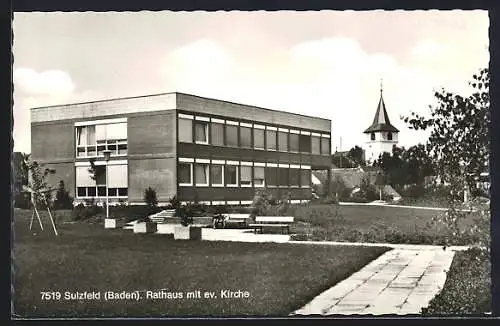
[(459, 137), (41, 190), (351, 159), (150, 197), (420, 164), (96, 172), (63, 199), (394, 167), (20, 167), (356, 156), (459, 148), (341, 160)]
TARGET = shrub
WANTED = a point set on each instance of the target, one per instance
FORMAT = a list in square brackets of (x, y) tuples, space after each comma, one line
[(133, 212), (340, 189), (283, 204), (63, 199), (367, 192), (187, 212), (262, 203), (150, 197), (22, 200), (467, 289), (83, 212)]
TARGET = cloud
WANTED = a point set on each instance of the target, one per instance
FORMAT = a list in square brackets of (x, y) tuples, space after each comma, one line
[(36, 89), (51, 82), (334, 78), (200, 62)]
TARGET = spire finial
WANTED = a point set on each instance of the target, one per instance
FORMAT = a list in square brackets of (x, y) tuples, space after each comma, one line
[(381, 80)]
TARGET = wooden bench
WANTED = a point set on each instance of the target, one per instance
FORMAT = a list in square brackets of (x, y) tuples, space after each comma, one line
[(239, 219), (282, 222)]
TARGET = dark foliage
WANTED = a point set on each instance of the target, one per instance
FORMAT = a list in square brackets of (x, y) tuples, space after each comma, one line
[(63, 199), (150, 197), (467, 289)]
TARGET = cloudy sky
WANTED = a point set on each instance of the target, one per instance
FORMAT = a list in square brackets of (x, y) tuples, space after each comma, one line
[(324, 63)]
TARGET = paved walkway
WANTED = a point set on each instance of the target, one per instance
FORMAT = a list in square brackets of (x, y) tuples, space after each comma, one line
[(400, 206), (401, 281)]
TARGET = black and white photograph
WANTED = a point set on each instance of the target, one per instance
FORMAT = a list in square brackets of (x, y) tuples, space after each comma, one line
[(290, 164)]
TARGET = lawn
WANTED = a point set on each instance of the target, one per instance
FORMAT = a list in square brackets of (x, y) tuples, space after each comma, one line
[(467, 289), (275, 278), (364, 223)]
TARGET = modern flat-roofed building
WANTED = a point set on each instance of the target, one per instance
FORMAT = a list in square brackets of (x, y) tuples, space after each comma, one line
[(199, 149)]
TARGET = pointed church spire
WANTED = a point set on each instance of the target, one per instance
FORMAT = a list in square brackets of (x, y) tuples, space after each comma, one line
[(381, 120)]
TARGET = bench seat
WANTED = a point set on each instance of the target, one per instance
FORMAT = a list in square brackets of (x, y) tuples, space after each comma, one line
[(282, 222), (239, 219)]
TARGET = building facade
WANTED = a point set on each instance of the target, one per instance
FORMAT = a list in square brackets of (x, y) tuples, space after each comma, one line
[(381, 136), (195, 148)]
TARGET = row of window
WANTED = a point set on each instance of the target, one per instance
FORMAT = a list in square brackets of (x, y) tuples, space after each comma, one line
[(201, 130), (220, 174), (384, 137), (93, 140), (100, 191)]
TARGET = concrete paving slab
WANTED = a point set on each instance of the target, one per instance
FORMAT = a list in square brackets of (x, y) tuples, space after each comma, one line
[(405, 283)]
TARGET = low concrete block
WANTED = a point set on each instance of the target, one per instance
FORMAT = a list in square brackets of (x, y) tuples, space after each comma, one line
[(187, 232), (145, 227), (112, 223), (164, 228)]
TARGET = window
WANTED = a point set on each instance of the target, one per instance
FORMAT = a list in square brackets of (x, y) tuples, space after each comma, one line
[(389, 136), (294, 143), (201, 132), (217, 134), (232, 135), (283, 180), (100, 174), (283, 141), (246, 176), (81, 191), (93, 140), (258, 138), (271, 176), (122, 192), (201, 174), (325, 146), (305, 143), (86, 186), (315, 145), (270, 140), (372, 136), (305, 178), (185, 130), (91, 191), (294, 177), (86, 141), (245, 137), (118, 176), (186, 174), (101, 191), (231, 175), (258, 176), (217, 174)]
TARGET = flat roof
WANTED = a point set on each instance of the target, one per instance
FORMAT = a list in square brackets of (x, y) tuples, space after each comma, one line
[(169, 93)]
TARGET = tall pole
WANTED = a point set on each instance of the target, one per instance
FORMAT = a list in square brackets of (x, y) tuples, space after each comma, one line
[(107, 193), (107, 155)]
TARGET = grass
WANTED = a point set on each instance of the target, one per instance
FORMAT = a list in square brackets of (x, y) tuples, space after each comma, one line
[(362, 223), (279, 278), (423, 202), (467, 289)]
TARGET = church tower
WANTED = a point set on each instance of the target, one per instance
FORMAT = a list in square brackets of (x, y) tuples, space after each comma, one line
[(381, 136)]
